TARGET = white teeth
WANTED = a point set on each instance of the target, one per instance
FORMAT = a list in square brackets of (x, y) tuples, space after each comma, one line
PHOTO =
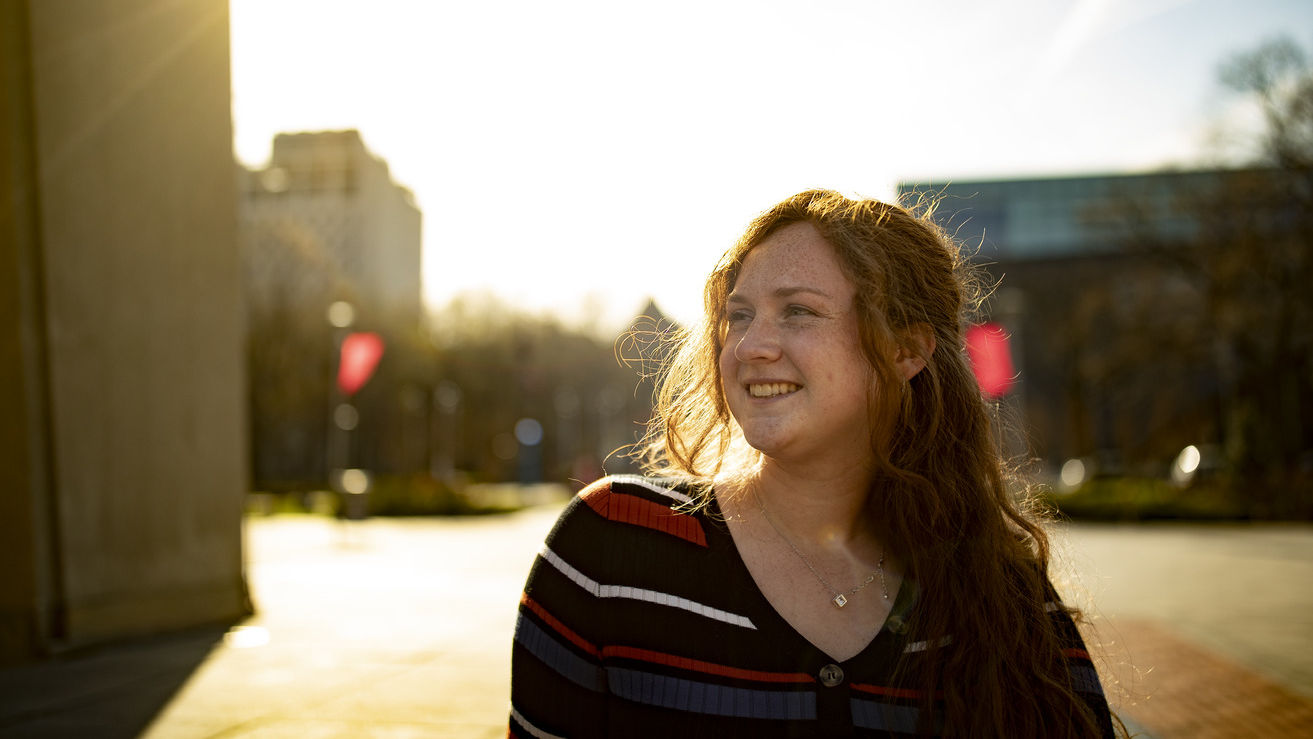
[(771, 389)]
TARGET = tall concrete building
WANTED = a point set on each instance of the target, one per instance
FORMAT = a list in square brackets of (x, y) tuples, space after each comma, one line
[(325, 216), (122, 434)]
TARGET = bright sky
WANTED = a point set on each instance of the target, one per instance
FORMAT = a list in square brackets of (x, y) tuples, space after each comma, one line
[(583, 153)]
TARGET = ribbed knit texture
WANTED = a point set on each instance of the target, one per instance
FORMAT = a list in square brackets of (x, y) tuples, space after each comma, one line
[(638, 621)]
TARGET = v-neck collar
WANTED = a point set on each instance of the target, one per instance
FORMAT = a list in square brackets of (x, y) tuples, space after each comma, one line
[(894, 627)]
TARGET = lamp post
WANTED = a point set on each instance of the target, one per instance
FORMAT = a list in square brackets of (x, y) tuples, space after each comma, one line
[(357, 355), (342, 416)]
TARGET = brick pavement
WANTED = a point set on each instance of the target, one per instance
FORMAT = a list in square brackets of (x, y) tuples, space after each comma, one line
[(1170, 688)]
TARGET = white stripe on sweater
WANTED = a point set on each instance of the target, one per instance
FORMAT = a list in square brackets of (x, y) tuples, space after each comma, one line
[(534, 730), (644, 482), (600, 590), (920, 646)]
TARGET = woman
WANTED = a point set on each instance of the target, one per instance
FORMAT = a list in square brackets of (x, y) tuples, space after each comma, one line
[(832, 550)]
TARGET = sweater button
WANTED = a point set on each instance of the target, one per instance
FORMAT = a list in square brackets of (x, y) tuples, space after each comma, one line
[(831, 675)]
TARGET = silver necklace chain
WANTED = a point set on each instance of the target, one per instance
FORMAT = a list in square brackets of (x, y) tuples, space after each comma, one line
[(840, 599)]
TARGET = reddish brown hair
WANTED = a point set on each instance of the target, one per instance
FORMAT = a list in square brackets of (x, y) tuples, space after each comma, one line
[(940, 498)]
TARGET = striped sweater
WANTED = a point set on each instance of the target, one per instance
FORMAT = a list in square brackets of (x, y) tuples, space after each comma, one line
[(638, 620)]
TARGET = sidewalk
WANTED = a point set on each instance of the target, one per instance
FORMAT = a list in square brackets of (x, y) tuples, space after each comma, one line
[(401, 628), (1199, 630), (1173, 688)]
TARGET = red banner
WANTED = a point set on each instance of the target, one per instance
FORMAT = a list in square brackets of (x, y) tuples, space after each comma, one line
[(360, 355), (991, 359)]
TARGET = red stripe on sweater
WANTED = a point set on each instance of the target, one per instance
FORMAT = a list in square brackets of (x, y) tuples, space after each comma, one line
[(891, 692), (905, 693), (710, 668), (634, 510), (556, 625)]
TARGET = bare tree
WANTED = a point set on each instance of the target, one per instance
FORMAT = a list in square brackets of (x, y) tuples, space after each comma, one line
[(1223, 283)]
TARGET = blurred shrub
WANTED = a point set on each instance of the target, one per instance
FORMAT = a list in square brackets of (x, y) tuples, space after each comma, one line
[(390, 495), (1147, 499), (424, 496)]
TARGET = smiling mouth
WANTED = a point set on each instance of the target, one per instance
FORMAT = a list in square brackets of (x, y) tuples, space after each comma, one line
[(771, 389)]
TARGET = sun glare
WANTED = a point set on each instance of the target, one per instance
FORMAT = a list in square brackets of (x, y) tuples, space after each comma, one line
[(581, 152)]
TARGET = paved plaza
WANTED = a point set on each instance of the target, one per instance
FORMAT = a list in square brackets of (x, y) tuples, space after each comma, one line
[(402, 627), (1200, 630)]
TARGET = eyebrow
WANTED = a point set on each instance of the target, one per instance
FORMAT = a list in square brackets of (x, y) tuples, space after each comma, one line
[(782, 292)]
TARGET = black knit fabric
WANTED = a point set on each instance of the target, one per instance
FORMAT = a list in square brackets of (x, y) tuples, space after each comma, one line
[(638, 620)]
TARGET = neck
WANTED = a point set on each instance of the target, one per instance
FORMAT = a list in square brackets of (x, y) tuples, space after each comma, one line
[(823, 510)]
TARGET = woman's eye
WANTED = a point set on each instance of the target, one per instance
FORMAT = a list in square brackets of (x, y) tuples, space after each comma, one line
[(738, 316), (798, 310)]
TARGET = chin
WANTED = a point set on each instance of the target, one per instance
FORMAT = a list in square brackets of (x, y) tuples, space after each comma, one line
[(766, 443)]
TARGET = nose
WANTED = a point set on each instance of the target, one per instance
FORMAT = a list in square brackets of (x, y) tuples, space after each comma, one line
[(759, 343)]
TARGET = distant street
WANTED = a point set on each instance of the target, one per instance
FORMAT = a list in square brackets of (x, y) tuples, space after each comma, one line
[(402, 628)]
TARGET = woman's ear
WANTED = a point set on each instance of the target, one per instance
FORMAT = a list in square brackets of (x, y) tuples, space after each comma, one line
[(917, 346)]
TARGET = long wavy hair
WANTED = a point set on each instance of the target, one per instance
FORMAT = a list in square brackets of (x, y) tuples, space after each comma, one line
[(940, 497)]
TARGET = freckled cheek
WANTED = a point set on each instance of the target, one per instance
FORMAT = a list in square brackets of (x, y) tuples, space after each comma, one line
[(842, 365), (729, 372), (829, 375), (728, 366)]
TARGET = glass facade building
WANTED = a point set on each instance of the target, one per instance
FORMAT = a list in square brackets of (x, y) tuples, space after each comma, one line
[(1078, 275), (1061, 216)]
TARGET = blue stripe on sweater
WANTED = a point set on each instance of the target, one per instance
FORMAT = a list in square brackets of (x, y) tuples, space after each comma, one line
[(719, 700), (884, 716), (555, 655)]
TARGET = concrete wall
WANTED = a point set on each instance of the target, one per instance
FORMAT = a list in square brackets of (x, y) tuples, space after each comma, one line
[(121, 332)]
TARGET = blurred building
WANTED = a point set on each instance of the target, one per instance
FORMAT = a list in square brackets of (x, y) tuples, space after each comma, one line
[(325, 218), (324, 222), (1117, 359), (123, 434), (1023, 220)]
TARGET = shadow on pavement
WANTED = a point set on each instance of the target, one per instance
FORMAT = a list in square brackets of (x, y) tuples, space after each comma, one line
[(111, 691)]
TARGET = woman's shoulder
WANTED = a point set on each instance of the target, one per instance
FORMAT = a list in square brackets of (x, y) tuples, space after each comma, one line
[(680, 494), (622, 505)]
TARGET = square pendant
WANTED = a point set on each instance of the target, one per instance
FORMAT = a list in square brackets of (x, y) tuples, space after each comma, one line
[(840, 601)]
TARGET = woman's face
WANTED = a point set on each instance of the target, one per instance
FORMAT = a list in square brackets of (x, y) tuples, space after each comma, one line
[(792, 368)]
